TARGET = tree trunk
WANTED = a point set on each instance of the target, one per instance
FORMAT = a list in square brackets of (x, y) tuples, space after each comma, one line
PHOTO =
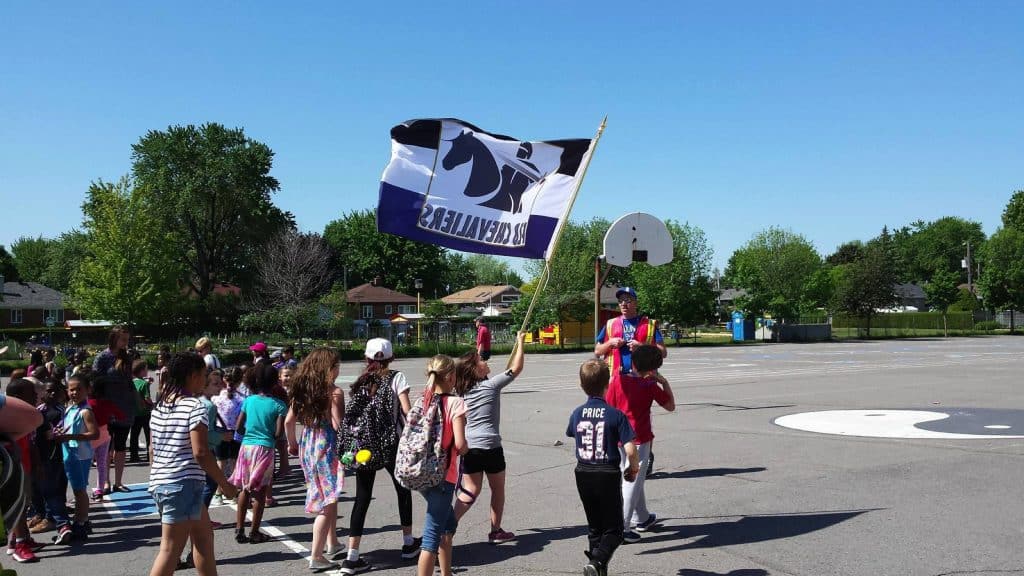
[(945, 332)]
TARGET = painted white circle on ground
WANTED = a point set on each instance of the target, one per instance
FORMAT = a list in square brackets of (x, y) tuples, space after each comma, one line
[(998, 427), (875, 424)]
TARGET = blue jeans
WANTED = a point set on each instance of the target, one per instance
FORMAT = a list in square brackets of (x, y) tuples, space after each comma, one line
[(209, 489), (440, 515), (49, 488), (179, 501)]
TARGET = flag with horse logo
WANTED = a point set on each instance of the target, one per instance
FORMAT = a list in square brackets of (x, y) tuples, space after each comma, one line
[(452, 184)]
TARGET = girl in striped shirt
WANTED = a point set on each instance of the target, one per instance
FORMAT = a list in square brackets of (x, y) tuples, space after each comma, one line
[(181, 459)]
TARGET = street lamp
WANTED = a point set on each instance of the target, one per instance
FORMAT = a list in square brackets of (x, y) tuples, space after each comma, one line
[(418, 283)]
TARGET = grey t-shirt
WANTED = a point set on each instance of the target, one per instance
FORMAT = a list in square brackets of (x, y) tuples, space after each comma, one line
[(483, 411)]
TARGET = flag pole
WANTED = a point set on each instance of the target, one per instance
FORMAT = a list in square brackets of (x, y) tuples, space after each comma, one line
[(546, 274)]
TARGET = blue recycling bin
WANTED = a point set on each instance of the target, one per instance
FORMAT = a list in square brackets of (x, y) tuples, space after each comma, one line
[(742, 329)]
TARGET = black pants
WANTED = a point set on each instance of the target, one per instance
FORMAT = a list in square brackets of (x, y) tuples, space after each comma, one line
[(141, 424), (601, 494), (364, 493)]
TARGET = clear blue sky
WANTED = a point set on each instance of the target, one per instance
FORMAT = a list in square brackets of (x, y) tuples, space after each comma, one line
[(828, 119)]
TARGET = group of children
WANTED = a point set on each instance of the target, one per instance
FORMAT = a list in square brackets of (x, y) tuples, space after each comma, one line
[(215, 437)]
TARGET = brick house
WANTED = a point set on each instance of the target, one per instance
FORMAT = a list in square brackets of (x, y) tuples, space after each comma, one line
[(369, 302), (29, 304)]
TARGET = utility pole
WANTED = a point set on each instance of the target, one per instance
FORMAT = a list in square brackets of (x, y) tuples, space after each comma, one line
[(967, 264)]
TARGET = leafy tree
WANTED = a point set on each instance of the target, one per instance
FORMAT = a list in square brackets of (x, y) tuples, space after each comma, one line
[(1002, 277), (211, 191), (364, 253), (489, 270), (457, 274), (774, 267), (8, 269), (66, 254), (846, 253), (32, 258), (864, 286), (924, 247), (942, 292), (334, 308), (129, 272), (966, 301), (1013, 215), (678, 292)]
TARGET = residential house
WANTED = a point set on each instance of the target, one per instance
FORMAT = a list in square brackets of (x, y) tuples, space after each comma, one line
[(29, 304), (910, 297), (486, 299), (370, 302)]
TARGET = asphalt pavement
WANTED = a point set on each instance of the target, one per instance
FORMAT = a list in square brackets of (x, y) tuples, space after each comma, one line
[(739, 495)]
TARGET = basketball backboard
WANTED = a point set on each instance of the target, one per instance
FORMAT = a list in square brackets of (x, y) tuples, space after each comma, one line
[(637, 237)]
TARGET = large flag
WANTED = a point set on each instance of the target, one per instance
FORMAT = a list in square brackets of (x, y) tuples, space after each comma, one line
[(455, 185)]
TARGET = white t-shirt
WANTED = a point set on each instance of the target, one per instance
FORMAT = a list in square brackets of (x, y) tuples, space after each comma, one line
[(399, 384), (171, 426), (212, 362)]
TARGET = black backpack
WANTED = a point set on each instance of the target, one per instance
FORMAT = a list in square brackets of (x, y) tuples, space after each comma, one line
[(369, 424)]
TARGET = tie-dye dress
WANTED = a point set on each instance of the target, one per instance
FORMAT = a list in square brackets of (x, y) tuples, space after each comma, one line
[(320, 466)]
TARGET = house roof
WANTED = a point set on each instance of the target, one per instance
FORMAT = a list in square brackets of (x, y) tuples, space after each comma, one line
[(30, 296), (910, 290), (730, 294), (370, 294), (481, 294)]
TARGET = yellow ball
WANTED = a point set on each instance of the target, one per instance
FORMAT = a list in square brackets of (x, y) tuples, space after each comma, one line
[(363, 456)]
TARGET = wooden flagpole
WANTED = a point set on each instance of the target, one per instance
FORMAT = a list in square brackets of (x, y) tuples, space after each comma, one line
[(546, 274)]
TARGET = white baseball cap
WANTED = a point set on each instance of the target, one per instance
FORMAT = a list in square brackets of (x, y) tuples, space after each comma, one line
[(379, 349)]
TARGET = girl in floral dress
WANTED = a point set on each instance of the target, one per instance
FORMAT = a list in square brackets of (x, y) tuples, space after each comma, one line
[(319, 406)]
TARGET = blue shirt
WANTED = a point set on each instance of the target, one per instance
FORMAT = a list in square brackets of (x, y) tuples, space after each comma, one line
[(261, 414), (629, 326), (599, 429)]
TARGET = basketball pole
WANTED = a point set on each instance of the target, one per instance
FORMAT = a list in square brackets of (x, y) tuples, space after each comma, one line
[(546, 274)]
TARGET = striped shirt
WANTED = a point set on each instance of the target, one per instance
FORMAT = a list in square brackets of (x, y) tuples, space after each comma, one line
[(170, 426)]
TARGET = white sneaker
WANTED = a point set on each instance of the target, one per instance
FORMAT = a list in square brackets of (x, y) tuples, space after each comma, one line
[(218, 500)]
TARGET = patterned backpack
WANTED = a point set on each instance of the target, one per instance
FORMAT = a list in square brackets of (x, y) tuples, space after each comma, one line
[(422, 459), (369, 424)]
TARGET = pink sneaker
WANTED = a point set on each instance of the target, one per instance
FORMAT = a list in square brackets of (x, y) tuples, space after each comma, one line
[(500, 536), (23, 553)]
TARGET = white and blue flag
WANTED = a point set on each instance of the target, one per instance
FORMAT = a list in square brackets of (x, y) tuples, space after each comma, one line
[(452, 184)]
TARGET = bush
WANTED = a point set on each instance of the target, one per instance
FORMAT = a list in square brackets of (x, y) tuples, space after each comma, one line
[(987, 326)]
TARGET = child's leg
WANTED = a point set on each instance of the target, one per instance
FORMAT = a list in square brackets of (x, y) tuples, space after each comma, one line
[(404, 504), (172, 542), (640, 512), (444, 555), (202, 545), (608, 490), (497, 485), (364, 493), (321, 525), (588, 488), (331, 511), (102, 454), (632, 491), (242, 508), (259, 502), (466, 493)]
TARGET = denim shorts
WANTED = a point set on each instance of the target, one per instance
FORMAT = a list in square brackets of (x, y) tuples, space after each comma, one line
[(179, 501), (77, 472), (440, 515)]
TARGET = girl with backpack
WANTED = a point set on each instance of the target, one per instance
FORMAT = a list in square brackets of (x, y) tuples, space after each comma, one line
[(439, 525), (319, 406), (378, 401), (482, 392)]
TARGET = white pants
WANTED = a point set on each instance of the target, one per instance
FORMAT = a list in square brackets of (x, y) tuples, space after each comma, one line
[(634, 504)]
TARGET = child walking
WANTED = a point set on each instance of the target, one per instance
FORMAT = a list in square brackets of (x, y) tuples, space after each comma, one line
[(373, 421), (49, 487), (440, 523), (229, 407), (261, 422), (320, 407), (104, 411), (78, 430), (599, 429), (142, 383), (181, 460), (634, 395), (483, 420)]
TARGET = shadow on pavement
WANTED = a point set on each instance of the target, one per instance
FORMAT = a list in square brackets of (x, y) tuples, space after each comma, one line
[(527, 542), (704, 473), (741, 572), (746, 530)]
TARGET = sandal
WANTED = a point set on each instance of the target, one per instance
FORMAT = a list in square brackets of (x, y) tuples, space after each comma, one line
[(258, 538), (240, 536), (121, 488), (97, 496)]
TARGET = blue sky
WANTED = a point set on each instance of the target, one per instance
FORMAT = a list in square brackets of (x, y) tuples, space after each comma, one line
[(830, 119)]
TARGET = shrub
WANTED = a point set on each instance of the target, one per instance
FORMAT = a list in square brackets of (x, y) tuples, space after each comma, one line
[(987, 325)]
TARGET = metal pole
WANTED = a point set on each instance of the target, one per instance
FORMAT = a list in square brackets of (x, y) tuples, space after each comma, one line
[(970, 284)]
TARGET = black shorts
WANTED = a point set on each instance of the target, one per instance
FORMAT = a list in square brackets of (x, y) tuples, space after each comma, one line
[(491, 460), (228, 450), (485, 355), (119, 435)]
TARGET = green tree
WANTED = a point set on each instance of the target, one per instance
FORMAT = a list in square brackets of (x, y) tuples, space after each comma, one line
[(678, 292), (211, 191), (1002, 276), (8, 269), (66, 254), (129, 273), (32, 258), (942, 292), (457, 274), (774, 267), (489, 270), (1013, 215), (846, 253), (924, 247), (864, 286), (966, 301), (334, 308), (363, 253)]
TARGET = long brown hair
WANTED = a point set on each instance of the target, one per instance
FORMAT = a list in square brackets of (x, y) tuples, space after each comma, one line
[(371, 376), (465, 372), (312, 387)]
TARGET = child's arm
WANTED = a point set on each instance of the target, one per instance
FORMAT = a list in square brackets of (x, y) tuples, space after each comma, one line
[(279, 428), (289, 430), (634, 462), (459, 428), (18, 418), (92, 431), (338, 407), (206, 460), (516, 362), (240, 424), (668, 399)]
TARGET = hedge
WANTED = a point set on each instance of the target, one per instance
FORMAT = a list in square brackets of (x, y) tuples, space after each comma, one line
[(908, 321)]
